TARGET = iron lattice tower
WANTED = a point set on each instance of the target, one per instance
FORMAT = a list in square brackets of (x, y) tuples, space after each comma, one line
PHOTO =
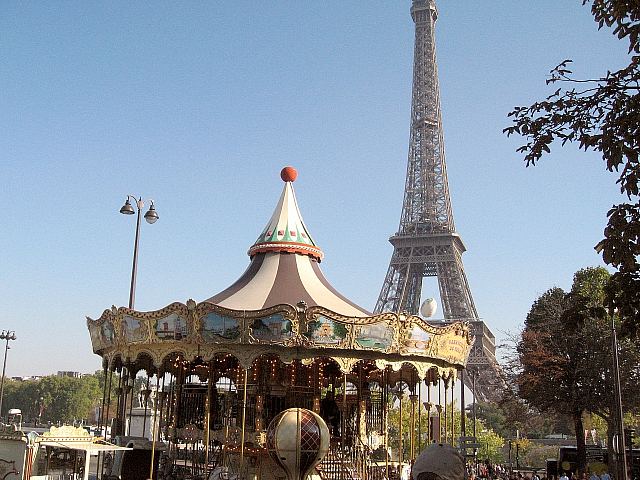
[(426, 244)]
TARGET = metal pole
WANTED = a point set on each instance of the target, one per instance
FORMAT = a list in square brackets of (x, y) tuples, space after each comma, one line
[(385, 411), (412, 438), (153, 427), (440, 381), (4, 367), (400, 450), (446, 429), (622, 456), (146, 406), (429, 414), (134, 268), (207, 419), (244, 417), (473, 387), (132, 379), (453, 411), (463, 425), (419, 417), (6, 335)]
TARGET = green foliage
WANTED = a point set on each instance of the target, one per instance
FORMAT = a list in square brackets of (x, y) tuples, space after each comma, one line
[(565, 354), (60, 399), (493, 417), (601, 115), (536, 455), (492, 443)]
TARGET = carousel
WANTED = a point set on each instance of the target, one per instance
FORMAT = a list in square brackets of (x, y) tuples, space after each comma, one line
[(277, 376)]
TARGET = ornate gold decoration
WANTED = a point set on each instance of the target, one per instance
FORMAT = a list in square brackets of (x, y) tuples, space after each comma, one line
[(444, 348)]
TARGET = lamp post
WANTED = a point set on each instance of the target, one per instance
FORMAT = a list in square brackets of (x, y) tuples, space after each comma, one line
[(621, 453), (151, 216), (5, 335)]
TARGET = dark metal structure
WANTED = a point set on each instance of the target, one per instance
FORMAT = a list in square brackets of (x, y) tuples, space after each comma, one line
[(426, 243)]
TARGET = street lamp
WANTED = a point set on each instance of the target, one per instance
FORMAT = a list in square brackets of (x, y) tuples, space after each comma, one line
[(620, 444), (621, 454), (5, 335), (151, 217)]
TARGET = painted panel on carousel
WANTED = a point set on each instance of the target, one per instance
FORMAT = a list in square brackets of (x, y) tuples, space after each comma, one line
[(107, 333), (96, 340), (215, 326), (418, 341), (450, 347), (324, 331), (378, 336), (171, 327), (271, 329), (134, 330)]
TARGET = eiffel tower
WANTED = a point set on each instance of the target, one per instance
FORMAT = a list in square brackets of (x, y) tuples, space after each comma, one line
[(426, 244)]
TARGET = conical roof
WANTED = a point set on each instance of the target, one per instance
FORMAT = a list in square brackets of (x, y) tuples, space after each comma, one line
[(284, 266), (286, 231)]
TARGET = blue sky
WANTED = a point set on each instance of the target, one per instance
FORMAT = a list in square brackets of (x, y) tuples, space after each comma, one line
[(198, 105)]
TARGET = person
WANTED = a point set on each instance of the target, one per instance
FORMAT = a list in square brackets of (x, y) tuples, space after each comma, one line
[(564, 476), (330, 413), (438, 462), (594, 476), (605, 476)]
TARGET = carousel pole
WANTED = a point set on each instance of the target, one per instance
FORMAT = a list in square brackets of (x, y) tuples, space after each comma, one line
[(385, 422), (132, 381), (122, 410), (119, 391), (106, 418), (343, 417), (146, 405), (453, 411), (401, 449), (100, 467), (463, 420), (153, 429), (207, 420), (412, 439), (162, 401), (102, 407), (358, 413), (446, 428), (104, 398), (428, 407), (244, 418), (419, 417)]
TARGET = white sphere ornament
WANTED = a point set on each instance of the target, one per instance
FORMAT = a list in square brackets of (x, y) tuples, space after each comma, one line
[(297, 439), (429, 307)]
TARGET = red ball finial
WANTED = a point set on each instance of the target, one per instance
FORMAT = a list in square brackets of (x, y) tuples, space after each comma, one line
[(288, 174)]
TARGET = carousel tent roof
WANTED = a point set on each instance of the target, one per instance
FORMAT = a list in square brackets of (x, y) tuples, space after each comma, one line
[(284, 265)]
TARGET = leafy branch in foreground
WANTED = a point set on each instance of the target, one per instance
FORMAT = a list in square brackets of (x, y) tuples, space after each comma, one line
[(600, 115)]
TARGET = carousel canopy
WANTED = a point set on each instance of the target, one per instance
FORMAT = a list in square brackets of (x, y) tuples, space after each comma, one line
[(281, 305), (284, 266)]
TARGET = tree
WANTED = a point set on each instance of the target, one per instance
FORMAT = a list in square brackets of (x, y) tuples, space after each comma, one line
[(601, 115), (493, 417), (60, 399), (565, 355), (491, 442)]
